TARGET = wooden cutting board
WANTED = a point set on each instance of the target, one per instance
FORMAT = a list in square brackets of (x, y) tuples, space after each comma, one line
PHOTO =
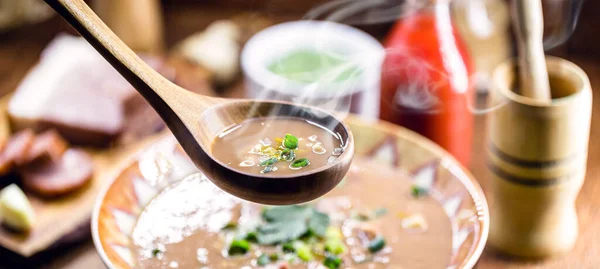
[(57, 219)]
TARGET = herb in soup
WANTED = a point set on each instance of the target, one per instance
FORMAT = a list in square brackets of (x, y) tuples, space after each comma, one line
[(239, 247), (263, 146), (332, 262), (376, 244), (265, 259), (418, 191), (363, 224), (302, 231)]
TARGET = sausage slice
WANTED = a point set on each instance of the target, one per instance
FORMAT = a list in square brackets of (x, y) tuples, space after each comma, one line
[(69, 173), (48, 146), (15, 149)]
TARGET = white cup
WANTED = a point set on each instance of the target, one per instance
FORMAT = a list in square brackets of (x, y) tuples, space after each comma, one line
[(358, 94)]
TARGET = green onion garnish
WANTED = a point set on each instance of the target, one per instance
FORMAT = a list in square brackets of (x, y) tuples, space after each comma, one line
[(418, 191), (251, 237), (380, 212), (229, 226), (304, 252), (268, 169), (290, 141), (239, 247), (287, 155), (334, 246), (376, 244), (288, 247), (155, 252), (332, 262), (361, 216), (267, 162), (263, 260), (300, 163)]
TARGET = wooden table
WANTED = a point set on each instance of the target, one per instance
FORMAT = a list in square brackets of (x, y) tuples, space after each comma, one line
[(19, 50)]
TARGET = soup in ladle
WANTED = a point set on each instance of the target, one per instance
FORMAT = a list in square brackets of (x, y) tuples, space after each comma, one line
[(276, 146)]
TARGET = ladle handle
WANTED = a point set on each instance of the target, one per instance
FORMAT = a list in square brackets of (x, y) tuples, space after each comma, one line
[(153, 86), (529, 28)]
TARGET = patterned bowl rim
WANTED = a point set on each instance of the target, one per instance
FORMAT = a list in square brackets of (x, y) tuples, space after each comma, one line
[(462, 174)]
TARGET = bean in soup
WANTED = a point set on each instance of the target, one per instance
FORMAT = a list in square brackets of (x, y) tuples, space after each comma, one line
[(276, 146)]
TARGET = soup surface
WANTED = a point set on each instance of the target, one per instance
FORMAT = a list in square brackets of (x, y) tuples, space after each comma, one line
[(276, 146), (374, 219)]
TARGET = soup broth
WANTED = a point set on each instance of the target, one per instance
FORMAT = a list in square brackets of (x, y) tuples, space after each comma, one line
[(374, 219), (276, 146)]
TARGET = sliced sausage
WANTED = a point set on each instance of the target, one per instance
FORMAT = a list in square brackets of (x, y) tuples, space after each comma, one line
[(16, 148), (48, 146), (72, 171)]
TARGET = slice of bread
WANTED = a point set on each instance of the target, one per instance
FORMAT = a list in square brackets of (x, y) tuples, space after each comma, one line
[(73, 90)]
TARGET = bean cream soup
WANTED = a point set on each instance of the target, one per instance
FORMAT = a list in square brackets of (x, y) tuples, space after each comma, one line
[(276, 146), (374, 219)]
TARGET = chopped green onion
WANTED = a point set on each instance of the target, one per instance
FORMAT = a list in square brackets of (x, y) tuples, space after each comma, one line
[(263, 260), (304, 252), (361, 216), (300, 163), (268, 169), (239, 247), (251, 237), (274, 257), (376, 244), (229, 226), (287, 155), (418, 191), (268, 162), (332, 262), (155, 252), (288, 247), (334, 246), (290, 141), (379, 212)]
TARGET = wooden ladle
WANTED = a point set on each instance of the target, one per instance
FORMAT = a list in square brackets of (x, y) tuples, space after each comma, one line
[(195, 120)]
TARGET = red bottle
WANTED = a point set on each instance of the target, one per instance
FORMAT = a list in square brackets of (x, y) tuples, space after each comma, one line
[(427, 79)]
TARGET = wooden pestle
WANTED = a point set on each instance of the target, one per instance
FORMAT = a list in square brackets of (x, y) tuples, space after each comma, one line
[(529, 30)]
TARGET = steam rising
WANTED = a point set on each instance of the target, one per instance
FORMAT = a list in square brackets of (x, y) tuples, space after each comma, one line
[(359, 93), (420, 91), (356, 12)]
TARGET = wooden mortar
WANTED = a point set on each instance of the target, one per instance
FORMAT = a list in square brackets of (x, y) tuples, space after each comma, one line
[(537, 154)]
